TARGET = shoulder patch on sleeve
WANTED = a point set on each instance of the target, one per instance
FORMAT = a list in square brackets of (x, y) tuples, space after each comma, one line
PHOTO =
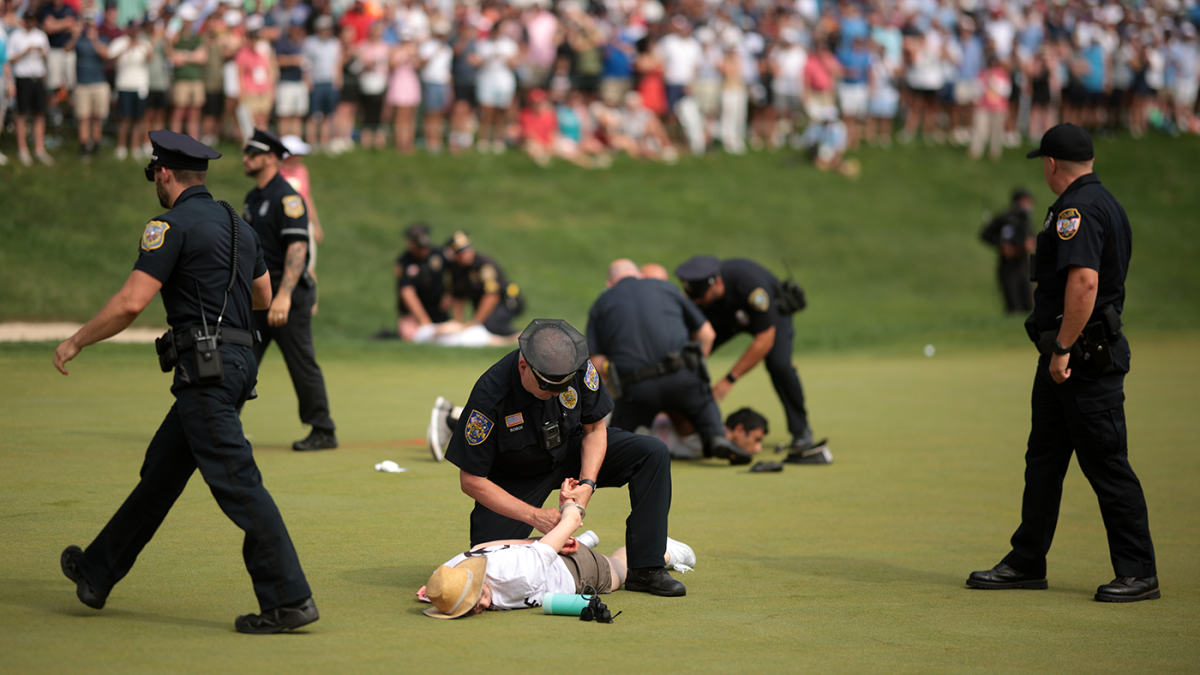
[(1068, 223), (435, 263), (155, 234), (591, 379), (478, 428), (759, 300), (293, 206)]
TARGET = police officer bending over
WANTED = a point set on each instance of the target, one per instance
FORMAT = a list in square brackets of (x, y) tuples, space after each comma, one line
[(1078, 401), (649, 343), (742, 296), (1011, 233), (420, 283), (476, 277), (277, 213), (190, 253), (536, 419)]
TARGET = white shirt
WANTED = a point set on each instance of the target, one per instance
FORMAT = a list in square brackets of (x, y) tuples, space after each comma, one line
[(496, 54), (681, 59), (437, 56), (521, 575), (789, 65), (133, 71), (33, 65)]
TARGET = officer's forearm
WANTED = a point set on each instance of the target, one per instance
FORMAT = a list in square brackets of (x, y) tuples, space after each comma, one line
[(1078, 303), (595, 447), (496, 498), (409, 295), (763, 342), (120, 310), (293, 266), (487, 304), (706, 335)]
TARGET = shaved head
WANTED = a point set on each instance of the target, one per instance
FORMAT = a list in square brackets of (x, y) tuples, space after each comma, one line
[(619, 269), (655, 271)]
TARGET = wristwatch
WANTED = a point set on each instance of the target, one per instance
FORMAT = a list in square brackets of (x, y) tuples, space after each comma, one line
[(589, 482), (1057, 348)]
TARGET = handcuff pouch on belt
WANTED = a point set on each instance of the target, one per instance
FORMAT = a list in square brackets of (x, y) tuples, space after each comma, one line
[(1094, 344)]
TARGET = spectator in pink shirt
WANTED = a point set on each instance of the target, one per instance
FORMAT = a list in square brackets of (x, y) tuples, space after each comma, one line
[(992, 110)]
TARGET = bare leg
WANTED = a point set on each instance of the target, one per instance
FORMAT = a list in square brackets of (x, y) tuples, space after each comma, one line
[(618, 563)]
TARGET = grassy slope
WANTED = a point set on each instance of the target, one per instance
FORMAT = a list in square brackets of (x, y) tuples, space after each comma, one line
[(890, 262), (857, 567)]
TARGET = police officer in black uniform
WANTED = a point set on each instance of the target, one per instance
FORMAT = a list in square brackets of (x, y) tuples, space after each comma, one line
[(277, 212), (476, 277), (742, 296), (651, 342), (420, 282), (188, 254), (534, 423), (1011, 233), (1082, 258)]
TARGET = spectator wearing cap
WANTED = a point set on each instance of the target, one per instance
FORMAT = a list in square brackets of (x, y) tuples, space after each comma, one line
[(280, 217), (189, 55), (420, 282), (132, 53), (291, 92), (27, 49), (323, 52), (534, 423), (478, 279), (92, 92)]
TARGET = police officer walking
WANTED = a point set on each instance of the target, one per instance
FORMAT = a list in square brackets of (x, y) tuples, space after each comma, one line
[(420, 282), (476, 277), (1083, 256), (536, 419), (649, 343), (209, 268), (1011, 233), (740, 295), (278, 214)]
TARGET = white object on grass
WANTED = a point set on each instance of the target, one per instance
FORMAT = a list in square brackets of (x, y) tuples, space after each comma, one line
[(388, 466)]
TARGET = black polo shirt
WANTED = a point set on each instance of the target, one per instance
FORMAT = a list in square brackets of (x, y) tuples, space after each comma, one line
[(428, 277), (499, 433), (637, 322), (192, 243), (749, 302), (1088, 228), (278, 213), (482, 277)]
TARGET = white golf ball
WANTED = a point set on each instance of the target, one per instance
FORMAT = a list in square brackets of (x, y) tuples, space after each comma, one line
[(929, 350)]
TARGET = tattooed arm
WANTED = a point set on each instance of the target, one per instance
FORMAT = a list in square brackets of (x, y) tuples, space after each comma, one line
[(293, 267)]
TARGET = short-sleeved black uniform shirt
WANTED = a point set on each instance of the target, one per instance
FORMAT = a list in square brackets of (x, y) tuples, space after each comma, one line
[(277, 212), (637, 322), (192, 243), (1088, 228), (428, 277), (749, 301), (499, 433), (481, 277)]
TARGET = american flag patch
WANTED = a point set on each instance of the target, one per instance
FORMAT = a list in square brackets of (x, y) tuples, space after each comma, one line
[(514, 420)]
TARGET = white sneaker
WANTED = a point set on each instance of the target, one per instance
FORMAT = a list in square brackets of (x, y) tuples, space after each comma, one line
[(437, 436), (681, 556), (589, 539), (498, 147), (45, 158), (122, 152), (3, 159), (25, 157), (137, 154)]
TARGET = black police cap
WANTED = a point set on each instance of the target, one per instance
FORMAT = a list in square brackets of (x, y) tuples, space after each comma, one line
[(698, 274), (418, 233), (178, 151), (1067, 142), (459, 241), (554, 349), (263, 142), (1021, 193)]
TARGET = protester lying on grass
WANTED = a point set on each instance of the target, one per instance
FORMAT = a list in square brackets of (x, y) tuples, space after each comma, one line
[(452, 334), (517, 573)]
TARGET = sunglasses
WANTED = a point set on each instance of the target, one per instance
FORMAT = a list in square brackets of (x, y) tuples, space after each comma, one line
[(151, 170), (556, 385)]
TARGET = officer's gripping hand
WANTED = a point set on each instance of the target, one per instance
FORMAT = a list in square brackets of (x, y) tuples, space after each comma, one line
[(545, 520), (1058, 367), (721, 389), (65, 352), (277, 315)]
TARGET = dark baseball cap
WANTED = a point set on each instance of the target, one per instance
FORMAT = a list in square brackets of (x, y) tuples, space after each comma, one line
[(554, 350), (418, 233), (1067, 142)]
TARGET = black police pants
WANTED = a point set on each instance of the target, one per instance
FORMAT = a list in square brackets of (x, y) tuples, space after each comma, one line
[(683, 391), (202, 431), (1014, 283), (1084, 415), (642, 462), (295, 342), (785, 378)]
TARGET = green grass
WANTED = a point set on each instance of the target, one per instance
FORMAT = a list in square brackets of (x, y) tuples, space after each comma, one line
[(890, 262), (854, 567)]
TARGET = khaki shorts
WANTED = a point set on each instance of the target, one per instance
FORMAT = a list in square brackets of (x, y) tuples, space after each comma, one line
[(188, 94), (92, 100), (612, 89), (60, 69), (589, 569), (258, 104)]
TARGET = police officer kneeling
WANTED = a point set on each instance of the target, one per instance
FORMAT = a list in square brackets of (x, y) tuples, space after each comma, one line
[(536, 419), (1083, 256), (204, 268)]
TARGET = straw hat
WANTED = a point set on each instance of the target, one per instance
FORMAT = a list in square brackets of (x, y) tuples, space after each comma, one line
[(455, 590)]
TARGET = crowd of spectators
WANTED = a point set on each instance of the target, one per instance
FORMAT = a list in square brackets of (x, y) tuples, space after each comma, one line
[(581, 80)]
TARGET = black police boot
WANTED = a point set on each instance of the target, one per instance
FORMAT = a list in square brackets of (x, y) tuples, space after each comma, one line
[(655, 581), (1129, 589), (279, 619), (1002, 576), (319, 439), (723, 448), (70, 567)]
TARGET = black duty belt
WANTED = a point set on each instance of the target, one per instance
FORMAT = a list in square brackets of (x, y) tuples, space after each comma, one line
[(185, 339), (673, 363)]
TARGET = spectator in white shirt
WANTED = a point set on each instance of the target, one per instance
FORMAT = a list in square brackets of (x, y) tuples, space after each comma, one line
[(132, 54), (496, 56), (323, 53), (680, 54), (435, 57), (27, 50)]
